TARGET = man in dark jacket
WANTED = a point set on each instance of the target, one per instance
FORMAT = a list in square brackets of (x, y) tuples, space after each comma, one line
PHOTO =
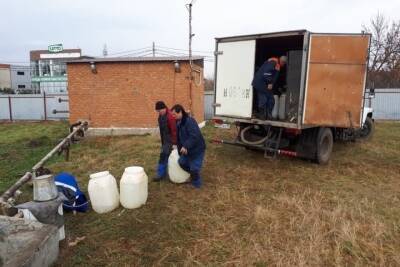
[(167, 125), (191, 144), (263, 83)]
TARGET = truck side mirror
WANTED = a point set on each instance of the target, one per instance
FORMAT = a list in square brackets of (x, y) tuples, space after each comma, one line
[(372, 89)]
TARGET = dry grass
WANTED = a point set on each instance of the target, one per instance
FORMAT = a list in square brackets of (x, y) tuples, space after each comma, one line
[(251, 211)]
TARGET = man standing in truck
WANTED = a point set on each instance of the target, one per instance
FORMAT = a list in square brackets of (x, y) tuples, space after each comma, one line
[(263, 83)]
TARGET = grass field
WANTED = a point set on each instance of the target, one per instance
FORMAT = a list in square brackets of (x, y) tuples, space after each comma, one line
[(251, 210), (23, 144)]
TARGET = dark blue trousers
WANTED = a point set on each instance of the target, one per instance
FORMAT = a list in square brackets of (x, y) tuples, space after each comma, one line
[(193, 166), (266, 100)]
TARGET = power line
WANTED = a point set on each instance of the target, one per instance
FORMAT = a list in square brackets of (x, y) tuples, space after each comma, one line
[(167, 53), (198, 51), (145, 55), (136, 53), (181, 54), (164, 54), (130, 51), (141, 52), (172, 53)]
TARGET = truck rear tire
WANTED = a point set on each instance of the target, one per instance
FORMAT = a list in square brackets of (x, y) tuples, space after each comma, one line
[(367, 130), (324, 145)]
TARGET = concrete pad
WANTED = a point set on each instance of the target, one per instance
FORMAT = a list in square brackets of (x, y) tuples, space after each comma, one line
[(27, 243), (121, 131)]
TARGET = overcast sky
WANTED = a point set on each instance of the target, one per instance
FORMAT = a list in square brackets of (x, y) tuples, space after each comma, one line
[(130, 24)]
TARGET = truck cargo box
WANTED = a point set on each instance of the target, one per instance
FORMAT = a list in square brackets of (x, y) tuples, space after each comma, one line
[(324, 80)]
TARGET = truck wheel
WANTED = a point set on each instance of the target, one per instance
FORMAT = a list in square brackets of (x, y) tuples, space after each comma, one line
[(368, 129), (324, 145)]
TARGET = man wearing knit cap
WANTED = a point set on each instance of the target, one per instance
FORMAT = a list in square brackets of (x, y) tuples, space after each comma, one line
[(167, 125)]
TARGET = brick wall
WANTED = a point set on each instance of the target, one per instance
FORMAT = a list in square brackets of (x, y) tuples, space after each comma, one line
[(123, 94)]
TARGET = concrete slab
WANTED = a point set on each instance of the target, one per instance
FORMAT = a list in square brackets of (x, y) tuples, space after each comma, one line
[(27, 243), (121, 131)]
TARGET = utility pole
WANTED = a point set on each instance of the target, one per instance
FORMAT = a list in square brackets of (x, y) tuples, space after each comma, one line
[(189, 8), (190, 35), (154, 49)]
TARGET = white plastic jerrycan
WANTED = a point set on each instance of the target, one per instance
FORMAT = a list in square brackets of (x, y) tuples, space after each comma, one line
[(175, 172), (103, 192), (133, 187)]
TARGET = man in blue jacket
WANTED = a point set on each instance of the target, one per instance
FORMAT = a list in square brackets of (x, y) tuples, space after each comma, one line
[(191, 144), (263, 83)]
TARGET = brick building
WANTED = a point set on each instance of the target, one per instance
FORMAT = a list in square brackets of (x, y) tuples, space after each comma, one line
[(118, 94)]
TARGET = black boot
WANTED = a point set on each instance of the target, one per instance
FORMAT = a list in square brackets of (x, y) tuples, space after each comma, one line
[(261, 114)]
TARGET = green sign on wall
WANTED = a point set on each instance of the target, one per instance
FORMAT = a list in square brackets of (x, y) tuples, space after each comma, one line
[(55, 48)]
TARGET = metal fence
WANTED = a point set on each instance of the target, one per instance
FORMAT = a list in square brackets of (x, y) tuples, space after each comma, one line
[(386, 104), (34, 107), (208, 105)]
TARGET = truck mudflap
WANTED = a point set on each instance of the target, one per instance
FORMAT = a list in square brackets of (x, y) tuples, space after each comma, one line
[(268, 151)]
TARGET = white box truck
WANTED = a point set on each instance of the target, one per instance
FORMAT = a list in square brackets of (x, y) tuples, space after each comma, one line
[(323, 91)]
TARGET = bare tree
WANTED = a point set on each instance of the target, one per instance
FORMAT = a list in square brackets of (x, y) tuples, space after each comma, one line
[(208, 84), (384, 61)]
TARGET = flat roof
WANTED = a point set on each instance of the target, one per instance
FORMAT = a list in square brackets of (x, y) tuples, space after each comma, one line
[(133, 59), (35, 54)]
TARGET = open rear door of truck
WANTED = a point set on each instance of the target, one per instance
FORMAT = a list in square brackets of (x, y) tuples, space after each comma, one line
[(336, 74), (234, 74)]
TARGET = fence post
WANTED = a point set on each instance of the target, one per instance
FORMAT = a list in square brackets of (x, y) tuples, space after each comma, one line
[(44, 106), (10, 108)]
